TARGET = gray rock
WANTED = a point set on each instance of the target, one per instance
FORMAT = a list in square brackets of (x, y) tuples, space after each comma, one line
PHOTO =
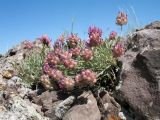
[(64, 106), (153, 25), (140, 89), (21, 110), (85, 109), (1, 55)]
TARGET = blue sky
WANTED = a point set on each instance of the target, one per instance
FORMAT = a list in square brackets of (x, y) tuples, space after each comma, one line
[(28, 19)]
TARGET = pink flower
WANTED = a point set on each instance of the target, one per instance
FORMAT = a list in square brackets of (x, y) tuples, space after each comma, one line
[(94, 30), (121, 18), (73, 40), (94, 36), (52, 58), (70, 63), (67, 83), (61, 38), (28, 44), (118, 50), (46, 68), (87, 54), (113, 35), (45, 40), (78, 78), (75, 51), (87, 77), (46, 82), (57, 51), (56, 74), (65, 55)]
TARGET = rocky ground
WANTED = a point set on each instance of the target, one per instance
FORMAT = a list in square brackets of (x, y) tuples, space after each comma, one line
[(137, 97)]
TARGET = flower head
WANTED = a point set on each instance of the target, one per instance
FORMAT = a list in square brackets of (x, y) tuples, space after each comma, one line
[(65, 55), (73, 40), (121, 18), (61, 38), (67, 83), (56, 74), (46, 82), (89, 76), (87, 54), (52, 58), (112, 35), (94, 36), (86, 77), (45, 40), (46, 68), (94, 30), (75, 51), (69, 63), (118, 50), (58, 51), (28, 44)]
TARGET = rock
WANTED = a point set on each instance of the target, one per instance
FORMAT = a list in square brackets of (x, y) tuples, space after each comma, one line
[(108, 106), (111, 106), (85, 109), (140, 89), (51, 112), (48, 101), (1, 55), (153, 25), (22, 110), (113, 117), (8, 74), (64, 106), (46, 98), (2, 83)]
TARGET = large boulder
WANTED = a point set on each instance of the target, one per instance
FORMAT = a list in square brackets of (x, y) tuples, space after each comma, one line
[(139, 93), (153, 25)]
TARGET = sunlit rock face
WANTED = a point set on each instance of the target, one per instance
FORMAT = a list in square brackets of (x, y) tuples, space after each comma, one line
[(140, 75)]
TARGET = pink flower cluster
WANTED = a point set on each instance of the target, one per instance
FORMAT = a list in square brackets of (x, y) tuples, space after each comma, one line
[(75, 51), (66, 53), (56, 74), (46, 82), (113, 35), (118, 50), (95, 35), (45, 40), (87, 54), (61, 38), (73, 40), (52, 59), (121, 19), (86, 77), (67, 83), (70, 63), (28, 44)]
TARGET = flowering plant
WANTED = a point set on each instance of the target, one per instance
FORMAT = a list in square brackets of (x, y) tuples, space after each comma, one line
[(72, 63)]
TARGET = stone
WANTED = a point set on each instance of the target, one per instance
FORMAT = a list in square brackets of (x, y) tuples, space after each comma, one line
[(64, 106), (20, 109), (140, 76), (153, 25), (51, 112), (108, 105), (47, 97), (85, 109), (1, 55), (8, 74)]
